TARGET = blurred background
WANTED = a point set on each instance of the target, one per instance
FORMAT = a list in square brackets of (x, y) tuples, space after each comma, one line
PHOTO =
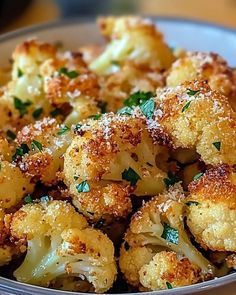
[(15, 14)]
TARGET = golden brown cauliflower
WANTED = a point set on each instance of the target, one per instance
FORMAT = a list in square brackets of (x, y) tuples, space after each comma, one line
[(129, 79), (61, 244), (193, 116), (169, 258), (106, 158), (204, 66), (40, 149), (131, 38), (70, 86), (212, 212)]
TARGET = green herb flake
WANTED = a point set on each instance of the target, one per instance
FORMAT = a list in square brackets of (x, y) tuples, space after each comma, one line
[(78, 126), (217, 145), (198, 176), (70, 74), (11, 135), (63, 129), (168, 285), (21, 106), (103, 106), (186, 106), (137, 98), (170, 234), (95, 117), (45, 199), (189, 203), (83, 187), (20, 73), (191, 92), (171, 180), (147, 108), (23, 149), (56, 112), (125, 111), (37, 113), (28, 199), (131, 176), (36, 145), (76, 177), (115, 63)]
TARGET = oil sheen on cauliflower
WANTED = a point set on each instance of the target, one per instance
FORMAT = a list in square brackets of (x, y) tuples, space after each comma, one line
[(212, 215), (131, 38), (158, 245), (61, 244), (107, 159)]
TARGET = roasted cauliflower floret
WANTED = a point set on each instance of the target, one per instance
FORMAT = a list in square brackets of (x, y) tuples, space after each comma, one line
[(105, 157), (159, 226), (212, 214), (193, 116), (14, 185), (131, 38), (168, 270), (40, 149), (204, 66), (129, 79), (60, 244)]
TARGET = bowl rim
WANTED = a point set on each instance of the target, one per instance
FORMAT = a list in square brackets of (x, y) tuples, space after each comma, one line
[(9, 285), (79, 20)]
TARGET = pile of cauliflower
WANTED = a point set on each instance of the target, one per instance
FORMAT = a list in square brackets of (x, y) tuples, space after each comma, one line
[(117, 163)]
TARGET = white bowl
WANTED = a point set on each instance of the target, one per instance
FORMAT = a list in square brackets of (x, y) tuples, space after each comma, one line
[(178, 32)]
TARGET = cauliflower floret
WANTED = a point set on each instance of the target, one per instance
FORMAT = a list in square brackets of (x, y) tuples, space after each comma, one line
[(159, 226), (204, 66), (168, 270), (14, 185), (40, 149), (195, 117), (129, 79), (131, 38), (112, 152), (60, 244), (212, 212)]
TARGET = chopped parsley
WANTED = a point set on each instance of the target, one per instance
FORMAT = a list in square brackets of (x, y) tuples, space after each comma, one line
[(23, 149), (37, 113), (95, 117), (137, 98), (171, 180), (103, 106), (11, 135), (36, 145), (28, 199), (125, 111), (21, 106), (198, 176), (191, 92), (78, 126), (54, 113), (70, 74), (63, 129), (148, 108), (168, 285), (189, 203), (83, 187), (20, 73), (115, 63), (170, 234), (217, 145), (131, 176), (186, 106)]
